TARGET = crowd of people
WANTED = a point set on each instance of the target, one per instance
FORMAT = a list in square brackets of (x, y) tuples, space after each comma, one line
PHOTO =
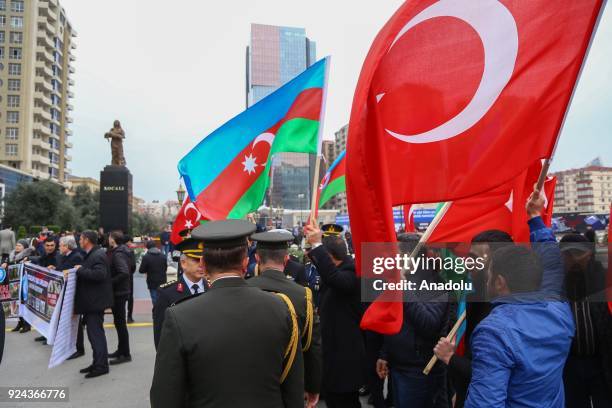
[(262, 317), (539, 332)]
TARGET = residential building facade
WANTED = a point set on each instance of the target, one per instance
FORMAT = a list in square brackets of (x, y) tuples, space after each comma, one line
[(586, 190), (36, 56)]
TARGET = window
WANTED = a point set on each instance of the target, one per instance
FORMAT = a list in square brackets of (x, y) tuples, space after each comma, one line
[(12, 117), (14, 85), (16, 37), (17, 22), (55, 114), (14, 69), (15, 53), (2, 5), (1, 36), (11, 150), (2, 21), (17, 6), (12, 101), (1, 52), (12, 133)]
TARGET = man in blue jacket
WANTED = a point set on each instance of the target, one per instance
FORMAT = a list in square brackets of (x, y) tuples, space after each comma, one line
[(520, 349)]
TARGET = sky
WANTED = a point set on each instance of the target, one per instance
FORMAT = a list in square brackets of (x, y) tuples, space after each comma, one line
[(173, 72)]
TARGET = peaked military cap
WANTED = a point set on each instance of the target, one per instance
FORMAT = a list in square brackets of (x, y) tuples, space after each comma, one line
[(332, 229), (191, 247), (274, 239), (223, 234)]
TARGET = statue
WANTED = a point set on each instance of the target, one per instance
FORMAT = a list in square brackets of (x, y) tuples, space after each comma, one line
[(116, 136)]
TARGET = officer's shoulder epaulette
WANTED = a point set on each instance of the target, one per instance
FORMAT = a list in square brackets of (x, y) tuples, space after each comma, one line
[(165, 285), (181, 300)]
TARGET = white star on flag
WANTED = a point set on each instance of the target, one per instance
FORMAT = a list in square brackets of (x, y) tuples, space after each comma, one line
[(509, 202), (249, 163), (188, 224)]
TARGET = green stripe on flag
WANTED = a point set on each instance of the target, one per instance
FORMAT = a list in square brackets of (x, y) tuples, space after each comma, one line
[(294, 136), (337, 186)]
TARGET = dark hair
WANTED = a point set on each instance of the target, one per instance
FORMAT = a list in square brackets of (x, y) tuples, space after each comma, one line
[(408, 241), (276, 256), (91, 236), (117, 236), (519, 266), (50, 238), (336, 247), (492, 236), (217, 260), (150, 244)]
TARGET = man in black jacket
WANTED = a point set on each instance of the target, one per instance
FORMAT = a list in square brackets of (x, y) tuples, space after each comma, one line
[(94, 293), (49, 259), (154, 264), (119, 260), (340, 310), (70, 257), (404, 355)]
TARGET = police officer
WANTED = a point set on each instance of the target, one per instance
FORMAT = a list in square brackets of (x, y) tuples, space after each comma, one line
[(235, 346), (190, 282), (272, 257)]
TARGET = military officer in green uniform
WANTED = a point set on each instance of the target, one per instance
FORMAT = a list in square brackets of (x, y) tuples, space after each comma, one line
[(235, 346), (191, 282), (272, 256)]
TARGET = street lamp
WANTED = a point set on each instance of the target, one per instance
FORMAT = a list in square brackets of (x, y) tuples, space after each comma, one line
[(180, 193)]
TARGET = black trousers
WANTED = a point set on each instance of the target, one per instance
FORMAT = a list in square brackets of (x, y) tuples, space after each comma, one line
[(119, 317), (130, 302), (584, 382), (97, 339), (2, 333), (80, 345), (374, 343), (342, 400)]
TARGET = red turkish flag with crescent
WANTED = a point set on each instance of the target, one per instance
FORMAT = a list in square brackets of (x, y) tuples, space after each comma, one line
[(456, 98), (187, 218)]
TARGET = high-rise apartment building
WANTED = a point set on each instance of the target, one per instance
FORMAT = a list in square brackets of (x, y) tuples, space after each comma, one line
[(36, 45), (587, 190), (276, 55)]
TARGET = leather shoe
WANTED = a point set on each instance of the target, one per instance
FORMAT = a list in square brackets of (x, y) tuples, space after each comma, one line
[(120, 360), (40, 338), (25, 329), (96, 373), (86, 369), (114, 354), (130, 320), (17, 328), (76, 354)]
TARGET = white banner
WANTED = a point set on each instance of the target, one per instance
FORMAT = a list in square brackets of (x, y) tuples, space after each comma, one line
[(64, 344)]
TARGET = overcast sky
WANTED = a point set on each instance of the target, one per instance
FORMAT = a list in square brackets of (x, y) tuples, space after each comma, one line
[(173, 72)]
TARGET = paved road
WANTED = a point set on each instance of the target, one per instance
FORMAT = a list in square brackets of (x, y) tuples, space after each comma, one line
[(126, 386)]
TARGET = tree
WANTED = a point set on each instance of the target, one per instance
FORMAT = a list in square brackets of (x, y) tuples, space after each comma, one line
[(38, 203), (87, 208), (146, 224)]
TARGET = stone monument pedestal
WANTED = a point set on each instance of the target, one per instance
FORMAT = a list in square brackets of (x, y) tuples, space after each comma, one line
[(116, 199)]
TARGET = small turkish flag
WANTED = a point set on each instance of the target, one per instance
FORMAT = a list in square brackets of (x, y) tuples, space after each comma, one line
[(409, 218), (187, 218), (456, 98)]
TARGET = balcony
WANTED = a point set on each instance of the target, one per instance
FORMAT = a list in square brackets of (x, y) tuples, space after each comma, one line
[(41, 144), (71, 82), (67, 157), (42, 52), (43, 24), (41, 158), (38, 111), (70, 94), (72, 57), (68, 145), (41, 97), (69, 107), (68, 132), (46, 41), (71, 69), (69, 119), (44, 84), (40, 127)]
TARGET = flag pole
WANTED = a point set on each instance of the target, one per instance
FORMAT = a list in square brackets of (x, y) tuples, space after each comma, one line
[(315, 179), (543, 174), (450, 337)]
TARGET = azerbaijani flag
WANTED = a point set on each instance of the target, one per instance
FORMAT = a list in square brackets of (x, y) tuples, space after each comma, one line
[(226, 175), (333, 181)]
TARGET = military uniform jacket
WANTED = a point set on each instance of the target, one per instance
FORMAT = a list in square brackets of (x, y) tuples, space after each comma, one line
[(275, 281), (168, 294), (227, 349)]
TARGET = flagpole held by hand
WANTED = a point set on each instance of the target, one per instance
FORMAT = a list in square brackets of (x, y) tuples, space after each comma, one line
[(450, 337), (315, 186), (543, 173)]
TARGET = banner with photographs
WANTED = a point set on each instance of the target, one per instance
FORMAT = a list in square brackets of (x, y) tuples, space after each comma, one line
[(9, 290), (41, 292)]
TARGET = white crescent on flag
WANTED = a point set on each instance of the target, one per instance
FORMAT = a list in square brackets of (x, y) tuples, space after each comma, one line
[(499, 35)]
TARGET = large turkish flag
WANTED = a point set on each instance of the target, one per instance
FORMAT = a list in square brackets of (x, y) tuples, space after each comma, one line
[(187, 218), (456, 98)]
